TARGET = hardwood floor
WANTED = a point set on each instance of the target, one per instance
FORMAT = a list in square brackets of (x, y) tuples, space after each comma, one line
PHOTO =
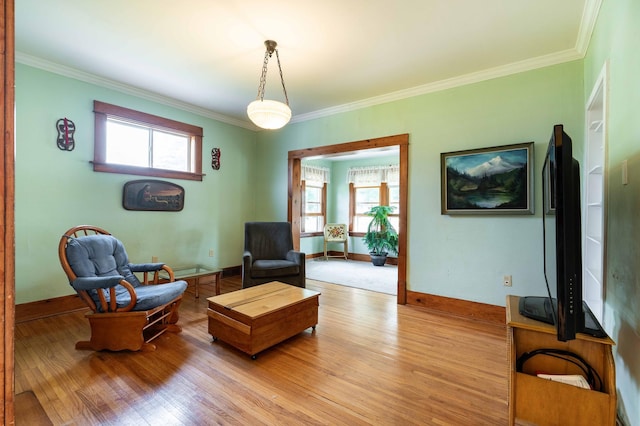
[(369, 361)]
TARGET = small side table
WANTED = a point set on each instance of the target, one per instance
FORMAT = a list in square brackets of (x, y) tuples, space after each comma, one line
[(195, 273)]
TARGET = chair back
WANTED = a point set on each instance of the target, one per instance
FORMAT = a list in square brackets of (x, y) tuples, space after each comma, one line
[(268, 240), (94, 254), (75, 232), (335, 232)]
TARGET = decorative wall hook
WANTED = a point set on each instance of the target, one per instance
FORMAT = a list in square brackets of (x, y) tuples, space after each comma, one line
[(215, 158), (65, 128)]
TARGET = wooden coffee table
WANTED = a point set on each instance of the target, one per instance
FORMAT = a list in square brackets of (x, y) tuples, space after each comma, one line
[(256, 318)]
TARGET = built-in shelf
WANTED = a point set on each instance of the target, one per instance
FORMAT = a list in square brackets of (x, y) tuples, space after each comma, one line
[(595, 274), (594, 239), (594, 244), (596, 170)]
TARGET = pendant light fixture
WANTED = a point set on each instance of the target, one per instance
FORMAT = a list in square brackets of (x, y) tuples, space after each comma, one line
[(268, 114)]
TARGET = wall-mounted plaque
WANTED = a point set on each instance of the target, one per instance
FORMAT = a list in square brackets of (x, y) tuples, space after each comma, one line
[(152, 195)]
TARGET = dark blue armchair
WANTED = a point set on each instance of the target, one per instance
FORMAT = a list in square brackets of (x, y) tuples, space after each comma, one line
[(269, 255)]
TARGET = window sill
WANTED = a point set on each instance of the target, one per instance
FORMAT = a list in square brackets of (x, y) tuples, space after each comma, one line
[(144, 171), (311, 234)]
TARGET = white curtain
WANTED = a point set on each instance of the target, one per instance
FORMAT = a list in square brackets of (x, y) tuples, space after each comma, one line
[(374, 175), (315, 173)]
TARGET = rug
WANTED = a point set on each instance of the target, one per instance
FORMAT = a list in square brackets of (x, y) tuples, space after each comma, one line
[(353, 273)]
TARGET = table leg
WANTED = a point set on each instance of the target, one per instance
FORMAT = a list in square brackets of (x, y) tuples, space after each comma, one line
[(218, 278), (197, 281)]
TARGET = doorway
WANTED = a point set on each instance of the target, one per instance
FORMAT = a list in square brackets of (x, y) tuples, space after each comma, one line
[(295, 191)]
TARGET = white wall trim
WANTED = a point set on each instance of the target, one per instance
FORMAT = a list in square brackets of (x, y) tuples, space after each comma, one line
[(65, 71), (488, 74), (587, 24)]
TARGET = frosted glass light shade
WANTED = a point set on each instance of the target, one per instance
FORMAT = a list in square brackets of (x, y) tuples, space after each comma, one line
[(269, 114)]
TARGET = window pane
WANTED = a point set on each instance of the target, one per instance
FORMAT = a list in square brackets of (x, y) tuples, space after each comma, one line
[(394, 195), (170, 151), (366, 198), (313, 223), (313, 194), (127, 144), (313, 200), (394, 199), (360, 223), (313, 208), (395, 221)]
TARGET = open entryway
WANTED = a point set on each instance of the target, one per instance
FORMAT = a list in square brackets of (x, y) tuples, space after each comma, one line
[(295, 192)]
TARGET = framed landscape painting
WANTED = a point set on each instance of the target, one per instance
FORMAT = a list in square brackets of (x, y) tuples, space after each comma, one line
[(494, 181)]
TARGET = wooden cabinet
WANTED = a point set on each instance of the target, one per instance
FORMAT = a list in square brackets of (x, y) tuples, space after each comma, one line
[(533, 400)]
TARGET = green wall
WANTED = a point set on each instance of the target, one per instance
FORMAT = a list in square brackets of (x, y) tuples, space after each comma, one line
[(461, 257), (615, 44), (56, 190)]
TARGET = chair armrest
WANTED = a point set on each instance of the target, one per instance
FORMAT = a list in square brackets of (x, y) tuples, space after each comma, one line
[(84, 284), (145, 267), (152, 267), (94, 283), (247, 259), (296, 256)]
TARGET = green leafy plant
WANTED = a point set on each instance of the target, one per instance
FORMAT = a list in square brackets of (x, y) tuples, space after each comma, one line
[(381, 237)]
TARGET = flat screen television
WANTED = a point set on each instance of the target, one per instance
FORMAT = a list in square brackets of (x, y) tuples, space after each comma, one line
[(562, 244)]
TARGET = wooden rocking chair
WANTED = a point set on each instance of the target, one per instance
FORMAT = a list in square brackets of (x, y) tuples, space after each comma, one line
[(126, 313)]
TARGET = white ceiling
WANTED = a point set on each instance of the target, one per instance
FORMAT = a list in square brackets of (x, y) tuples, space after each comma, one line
[(206, 56)]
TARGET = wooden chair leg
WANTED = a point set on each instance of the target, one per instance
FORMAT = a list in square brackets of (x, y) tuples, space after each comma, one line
[(148, 347), (173, 328), (173, 318)]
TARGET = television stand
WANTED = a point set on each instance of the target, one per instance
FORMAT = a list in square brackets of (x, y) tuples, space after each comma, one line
[(539, 401)]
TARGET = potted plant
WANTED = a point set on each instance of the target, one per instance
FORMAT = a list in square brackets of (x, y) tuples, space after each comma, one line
[(381, 237)]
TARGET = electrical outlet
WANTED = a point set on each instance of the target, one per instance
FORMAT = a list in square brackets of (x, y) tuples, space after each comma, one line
[(507, 280), (210, 252), (154, 259)]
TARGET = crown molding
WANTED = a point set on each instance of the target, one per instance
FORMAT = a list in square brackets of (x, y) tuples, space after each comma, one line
[(476, 77), (65, 71), (587, 24)]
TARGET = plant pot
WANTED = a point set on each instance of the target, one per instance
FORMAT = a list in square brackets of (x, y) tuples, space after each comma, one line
[(378, 259)]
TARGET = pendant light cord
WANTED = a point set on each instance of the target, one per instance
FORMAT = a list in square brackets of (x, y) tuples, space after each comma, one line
[(263, 76)]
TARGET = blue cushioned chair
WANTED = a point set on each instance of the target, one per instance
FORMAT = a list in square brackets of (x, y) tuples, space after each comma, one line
[(126, 313), (269, 255)]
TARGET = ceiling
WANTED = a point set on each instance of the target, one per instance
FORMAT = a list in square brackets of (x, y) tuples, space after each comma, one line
[(205, 56)]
